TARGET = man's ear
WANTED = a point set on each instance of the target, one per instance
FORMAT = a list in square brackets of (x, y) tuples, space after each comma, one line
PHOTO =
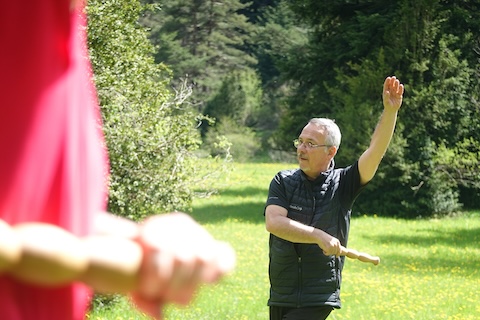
[(332, 151)]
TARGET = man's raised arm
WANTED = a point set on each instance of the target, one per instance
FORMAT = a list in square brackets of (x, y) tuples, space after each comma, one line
[(371, 158)]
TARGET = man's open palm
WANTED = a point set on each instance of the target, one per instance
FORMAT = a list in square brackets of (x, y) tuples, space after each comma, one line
[(392, 93)]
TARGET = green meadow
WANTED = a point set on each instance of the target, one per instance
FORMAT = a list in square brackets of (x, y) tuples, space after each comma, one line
[(429, 269)]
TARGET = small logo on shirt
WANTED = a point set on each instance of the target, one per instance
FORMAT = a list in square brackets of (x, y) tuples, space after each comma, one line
[(294, 207)]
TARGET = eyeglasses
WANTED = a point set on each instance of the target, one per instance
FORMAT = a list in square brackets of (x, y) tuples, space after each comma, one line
[(309, 145)]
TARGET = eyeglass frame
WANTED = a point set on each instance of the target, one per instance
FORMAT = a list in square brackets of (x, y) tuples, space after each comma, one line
[(308, 144)]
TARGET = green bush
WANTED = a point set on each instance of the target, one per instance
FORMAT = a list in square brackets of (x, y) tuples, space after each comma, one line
[(151, 132)]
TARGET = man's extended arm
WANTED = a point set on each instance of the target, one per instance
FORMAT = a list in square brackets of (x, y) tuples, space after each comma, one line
[(371, 158)]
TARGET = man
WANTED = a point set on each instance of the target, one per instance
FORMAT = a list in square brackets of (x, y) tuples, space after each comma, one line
[(308, 214)]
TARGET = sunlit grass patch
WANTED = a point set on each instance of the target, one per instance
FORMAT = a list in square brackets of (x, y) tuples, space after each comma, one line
[(429, 269)]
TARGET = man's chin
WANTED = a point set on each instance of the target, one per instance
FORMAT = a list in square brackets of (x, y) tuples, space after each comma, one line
[(304, 168)]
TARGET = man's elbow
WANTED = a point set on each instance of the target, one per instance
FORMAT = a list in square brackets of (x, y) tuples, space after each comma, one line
[(270, 224), (275, 218), (367, 171)]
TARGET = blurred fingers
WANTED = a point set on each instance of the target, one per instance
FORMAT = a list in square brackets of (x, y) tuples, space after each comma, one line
[(180, 256), (152, 308)]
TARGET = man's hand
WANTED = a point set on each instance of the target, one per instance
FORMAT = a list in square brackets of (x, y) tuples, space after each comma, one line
[(330, 245), (179, 256), (392, 93)]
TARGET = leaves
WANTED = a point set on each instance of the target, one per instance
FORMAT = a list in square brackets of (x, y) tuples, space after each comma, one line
[(150, 131)]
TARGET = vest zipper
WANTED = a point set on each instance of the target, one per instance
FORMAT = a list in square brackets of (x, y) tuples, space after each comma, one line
[(314, 207), (299, 281), (313, 210)]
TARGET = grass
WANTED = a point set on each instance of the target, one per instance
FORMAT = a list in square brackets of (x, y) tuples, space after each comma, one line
[(430, 269)]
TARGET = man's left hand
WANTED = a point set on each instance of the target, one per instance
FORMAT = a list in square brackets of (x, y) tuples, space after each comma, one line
[(392, 93)]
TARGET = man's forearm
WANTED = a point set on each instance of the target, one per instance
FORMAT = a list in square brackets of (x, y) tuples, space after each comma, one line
[(371, 158), (49, 255), (383, 134), (10, 246), (293, 231)]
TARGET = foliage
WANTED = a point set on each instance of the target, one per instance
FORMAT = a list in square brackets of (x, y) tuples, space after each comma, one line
[(276, 41), (242, 141), (352, 46), (150, 131), (442, 115), (460, 166), (358, 110), (201, 40), (236, 108), (317, 58), (239, 98)]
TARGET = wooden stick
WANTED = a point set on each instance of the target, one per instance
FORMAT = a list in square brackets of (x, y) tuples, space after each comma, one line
[(362, 256), (10, 247)]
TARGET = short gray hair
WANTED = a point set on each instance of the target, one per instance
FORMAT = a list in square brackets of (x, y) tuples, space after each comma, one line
[(333, 134)]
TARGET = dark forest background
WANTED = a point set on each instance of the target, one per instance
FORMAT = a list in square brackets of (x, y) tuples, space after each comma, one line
[(177, 78)]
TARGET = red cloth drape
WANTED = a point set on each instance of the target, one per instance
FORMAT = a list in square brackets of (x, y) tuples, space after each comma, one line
[(52, 163)]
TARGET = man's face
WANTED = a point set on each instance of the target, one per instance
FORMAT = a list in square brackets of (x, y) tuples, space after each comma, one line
[(316, 158)]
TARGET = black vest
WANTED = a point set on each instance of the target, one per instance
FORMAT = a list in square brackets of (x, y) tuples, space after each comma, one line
[(300, 274)]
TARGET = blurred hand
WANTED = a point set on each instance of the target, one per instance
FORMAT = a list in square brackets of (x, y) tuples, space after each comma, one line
[(179, 255)]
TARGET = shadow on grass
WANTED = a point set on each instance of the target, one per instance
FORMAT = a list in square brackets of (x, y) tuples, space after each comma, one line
[(458, 238), (446, 261), (251, 212), (244, 192), (244, 206)]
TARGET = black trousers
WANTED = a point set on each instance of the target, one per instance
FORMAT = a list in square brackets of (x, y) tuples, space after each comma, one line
[(311, 313)]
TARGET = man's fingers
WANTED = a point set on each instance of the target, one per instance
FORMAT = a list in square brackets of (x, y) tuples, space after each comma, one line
[(393, 86), (386, 84), (184, 279)]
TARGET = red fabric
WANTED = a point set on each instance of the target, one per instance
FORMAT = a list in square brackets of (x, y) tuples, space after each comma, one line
[(52, 163)]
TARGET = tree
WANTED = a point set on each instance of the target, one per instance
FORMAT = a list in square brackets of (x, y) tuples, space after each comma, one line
[(239, 98), (277, 40), (201, 40), (343, 58), (236, 109), (150, 131)]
